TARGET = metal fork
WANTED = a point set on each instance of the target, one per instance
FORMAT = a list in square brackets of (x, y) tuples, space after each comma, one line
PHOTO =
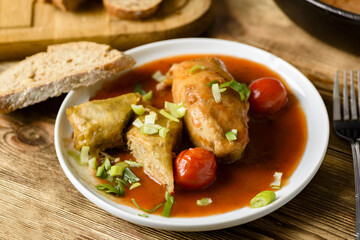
[(348, 127)]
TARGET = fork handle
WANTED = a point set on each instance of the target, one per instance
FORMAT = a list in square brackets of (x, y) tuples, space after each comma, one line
[(356, 159)]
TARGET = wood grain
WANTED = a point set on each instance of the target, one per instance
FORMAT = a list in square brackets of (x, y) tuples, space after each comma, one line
[(31, 28), (38, 201), (9, 9)]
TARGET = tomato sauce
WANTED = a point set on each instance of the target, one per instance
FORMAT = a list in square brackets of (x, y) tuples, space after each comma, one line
[(276, 143)]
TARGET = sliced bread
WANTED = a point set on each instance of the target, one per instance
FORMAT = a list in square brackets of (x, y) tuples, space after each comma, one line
[(132, 9), (62, 68)]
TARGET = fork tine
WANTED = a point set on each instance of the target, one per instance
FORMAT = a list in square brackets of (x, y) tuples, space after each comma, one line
[(345, 99), (336, 98), (352, 97)]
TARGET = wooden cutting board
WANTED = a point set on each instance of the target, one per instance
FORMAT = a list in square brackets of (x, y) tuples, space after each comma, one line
[(29, 26)]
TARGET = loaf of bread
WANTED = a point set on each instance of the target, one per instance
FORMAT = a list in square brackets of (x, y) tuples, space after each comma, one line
[(62, 68), (132, 9)]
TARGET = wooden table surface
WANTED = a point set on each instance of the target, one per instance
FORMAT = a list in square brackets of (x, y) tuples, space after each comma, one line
[(39, 202)]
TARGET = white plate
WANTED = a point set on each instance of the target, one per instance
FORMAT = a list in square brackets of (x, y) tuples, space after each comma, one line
[(310, 100)]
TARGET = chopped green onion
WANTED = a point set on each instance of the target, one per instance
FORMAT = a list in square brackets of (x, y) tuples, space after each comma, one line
[(204, 202), (158, 76), (118, 169), (168, 205), (130, 176), (163, 131), (138, 88), (107, 164), (196, 67), (135, 185), (262, 199), (216, 92), (138, 109), (109, 178), (168, 115), (148, 96), (277, 180), (148, 129), (181, 110), (106, 186), (241, 88), (176, 109), (143, 215), (150, 118), (137, 123), (100, 170), (84, 155), (157, 126), (117, 189), (222, 90), (211, 83), (122, 181), (232, 135), (93, 163), (104, 175), (120, 187), (134, 164), (74, 154), (147, 210)]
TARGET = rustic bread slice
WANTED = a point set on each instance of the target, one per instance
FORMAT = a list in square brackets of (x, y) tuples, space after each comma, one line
[(68, 5), (132, 9), (62, 68)]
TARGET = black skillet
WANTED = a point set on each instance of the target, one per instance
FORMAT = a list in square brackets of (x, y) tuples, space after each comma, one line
[(335, 26)]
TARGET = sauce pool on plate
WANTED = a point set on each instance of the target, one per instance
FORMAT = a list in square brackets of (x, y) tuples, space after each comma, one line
[(276, 144)]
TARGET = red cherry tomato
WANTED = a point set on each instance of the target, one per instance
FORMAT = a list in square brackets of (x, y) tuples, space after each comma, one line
[(268, 95), (195, 168)]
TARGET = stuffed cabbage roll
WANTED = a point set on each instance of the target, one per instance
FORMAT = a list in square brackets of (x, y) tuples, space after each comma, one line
[(100, 124), (154, 151), (207, 120)]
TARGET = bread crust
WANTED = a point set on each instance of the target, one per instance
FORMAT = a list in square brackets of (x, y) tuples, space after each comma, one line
[(42, 89), (131, 13)]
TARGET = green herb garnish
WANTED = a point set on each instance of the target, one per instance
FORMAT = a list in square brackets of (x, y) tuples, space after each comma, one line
[(168, 204), (118, 189), (130, 176), (211, 83), (118, 169), (203, 202), (138, 109), (135, 185), (147, 210), (84, 155), (107, 164), (196, 68), (134, 164), (241, 88), (232, 135), (262, 199), (147, 96), (138, 88), (74, 154), (168, 115), (100, 172)]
